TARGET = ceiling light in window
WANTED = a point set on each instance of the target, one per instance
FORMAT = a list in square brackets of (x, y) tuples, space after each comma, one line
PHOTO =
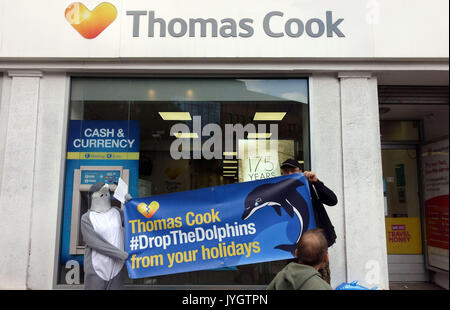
[(263, 135), (175, 116), (186, 135), (229, 153), (269, 116), (230, 161)]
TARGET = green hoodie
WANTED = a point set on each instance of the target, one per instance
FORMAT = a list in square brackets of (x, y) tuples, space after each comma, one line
[(298, 277)]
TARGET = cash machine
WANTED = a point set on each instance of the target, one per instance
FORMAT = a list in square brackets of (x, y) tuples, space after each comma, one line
[(82, 180)]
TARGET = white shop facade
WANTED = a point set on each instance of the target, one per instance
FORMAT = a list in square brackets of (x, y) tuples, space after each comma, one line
[(357, 89)]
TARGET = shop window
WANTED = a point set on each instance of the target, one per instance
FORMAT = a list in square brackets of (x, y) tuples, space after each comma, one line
[(399, 131), (154, 106), (401, 186)]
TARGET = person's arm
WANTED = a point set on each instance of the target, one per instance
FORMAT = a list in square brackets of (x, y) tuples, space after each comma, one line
[(325, 194), (97, 242)]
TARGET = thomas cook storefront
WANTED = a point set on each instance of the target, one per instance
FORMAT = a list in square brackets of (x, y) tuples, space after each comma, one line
[(172, 97)]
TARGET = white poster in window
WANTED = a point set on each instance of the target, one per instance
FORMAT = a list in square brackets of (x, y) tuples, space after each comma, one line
[(261, 159), (435, 184)]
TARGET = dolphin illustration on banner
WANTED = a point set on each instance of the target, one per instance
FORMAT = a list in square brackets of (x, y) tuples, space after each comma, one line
[(280, 195), (208, 229)]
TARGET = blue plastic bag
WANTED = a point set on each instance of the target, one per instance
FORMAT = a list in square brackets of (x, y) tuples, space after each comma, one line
[(353, 286)]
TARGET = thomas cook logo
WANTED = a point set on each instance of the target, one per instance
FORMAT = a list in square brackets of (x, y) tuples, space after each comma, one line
[(148, 210), (90, 23)]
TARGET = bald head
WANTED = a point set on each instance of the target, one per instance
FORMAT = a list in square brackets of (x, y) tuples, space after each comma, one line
[(312, 247)]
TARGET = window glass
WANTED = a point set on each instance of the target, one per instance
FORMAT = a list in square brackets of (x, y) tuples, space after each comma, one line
[(394, 130), (170, 160)]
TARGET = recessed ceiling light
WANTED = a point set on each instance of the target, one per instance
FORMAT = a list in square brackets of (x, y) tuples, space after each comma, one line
[(186, 135), (229, 153), (263, 135), (175, 116), (269, 116)]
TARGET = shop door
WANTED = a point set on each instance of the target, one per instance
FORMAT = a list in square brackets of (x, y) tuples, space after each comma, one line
[(403, 214)]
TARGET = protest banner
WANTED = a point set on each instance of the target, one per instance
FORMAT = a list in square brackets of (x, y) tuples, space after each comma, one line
[(217, 227)]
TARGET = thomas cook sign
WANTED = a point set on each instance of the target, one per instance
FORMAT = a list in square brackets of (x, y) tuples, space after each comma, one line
[(274, 25), (199, 29)]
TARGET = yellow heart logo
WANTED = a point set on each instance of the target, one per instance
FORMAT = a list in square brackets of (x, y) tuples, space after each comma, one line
[(90, 23), (148, 210)]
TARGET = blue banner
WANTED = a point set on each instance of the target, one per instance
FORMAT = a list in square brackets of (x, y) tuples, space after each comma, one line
[(217, 227)]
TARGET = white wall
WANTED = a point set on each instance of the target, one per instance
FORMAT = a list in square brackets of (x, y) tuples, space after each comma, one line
[(4, 105), (30, 177), (50, 154), (17, 179), (2, 123), (326, 159), (362, 180), (372, 28), (346, 153)]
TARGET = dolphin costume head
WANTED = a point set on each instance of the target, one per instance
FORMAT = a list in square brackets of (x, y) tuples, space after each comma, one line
[(279, 195), (99, 197)]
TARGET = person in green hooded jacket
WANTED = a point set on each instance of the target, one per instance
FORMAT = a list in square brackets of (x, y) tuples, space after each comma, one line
[(312, 253)]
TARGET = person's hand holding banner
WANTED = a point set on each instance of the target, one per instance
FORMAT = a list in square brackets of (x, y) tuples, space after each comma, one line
[(215, 227)]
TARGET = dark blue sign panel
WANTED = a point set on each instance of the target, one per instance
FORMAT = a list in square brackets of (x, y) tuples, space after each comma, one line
[(97, 149), (217, 227)]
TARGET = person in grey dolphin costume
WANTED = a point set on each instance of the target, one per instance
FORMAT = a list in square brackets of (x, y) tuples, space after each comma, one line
[(102, 231)]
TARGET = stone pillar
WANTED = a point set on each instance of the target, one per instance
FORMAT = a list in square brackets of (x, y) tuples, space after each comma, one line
[(364, 224), (48, 180), (33, 119), (326, 160), (346, 155), (17, 178)]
